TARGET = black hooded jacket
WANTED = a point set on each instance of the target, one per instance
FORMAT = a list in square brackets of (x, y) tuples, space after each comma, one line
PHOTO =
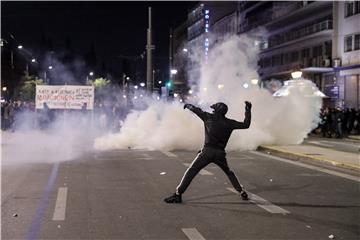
[(218, 128)]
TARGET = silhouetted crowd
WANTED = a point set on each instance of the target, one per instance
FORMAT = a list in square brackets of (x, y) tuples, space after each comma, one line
[(21, 115), (336, 122)]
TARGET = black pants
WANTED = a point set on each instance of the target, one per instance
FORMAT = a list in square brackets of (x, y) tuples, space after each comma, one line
[(206, 156)]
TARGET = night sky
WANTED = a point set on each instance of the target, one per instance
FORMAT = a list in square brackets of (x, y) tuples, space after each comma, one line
[(114, 27)]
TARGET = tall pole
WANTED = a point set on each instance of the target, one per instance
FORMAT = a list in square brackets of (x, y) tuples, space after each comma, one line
[(170, 56), (149, 64)]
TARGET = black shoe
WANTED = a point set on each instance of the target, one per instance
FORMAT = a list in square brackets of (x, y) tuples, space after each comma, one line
[(244, 195), (173, 199)]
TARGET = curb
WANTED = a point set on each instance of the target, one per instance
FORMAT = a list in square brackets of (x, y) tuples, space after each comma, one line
[(357, 138), (299, 156)]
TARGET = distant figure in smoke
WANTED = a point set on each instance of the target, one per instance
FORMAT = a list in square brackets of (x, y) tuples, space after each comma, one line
[(218, 129)]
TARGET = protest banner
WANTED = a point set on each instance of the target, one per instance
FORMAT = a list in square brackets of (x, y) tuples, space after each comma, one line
[(64, 96)]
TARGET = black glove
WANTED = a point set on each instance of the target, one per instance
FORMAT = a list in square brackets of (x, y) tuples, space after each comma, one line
[(248, 106), (187, 105)]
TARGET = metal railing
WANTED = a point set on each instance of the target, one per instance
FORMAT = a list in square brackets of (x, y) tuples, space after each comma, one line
[(306, 31)]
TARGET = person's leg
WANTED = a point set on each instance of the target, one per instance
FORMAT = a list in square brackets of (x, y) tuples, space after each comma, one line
[(222, 163), (201, 161)]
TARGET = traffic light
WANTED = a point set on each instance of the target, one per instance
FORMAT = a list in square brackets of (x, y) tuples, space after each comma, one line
[(168, 84)]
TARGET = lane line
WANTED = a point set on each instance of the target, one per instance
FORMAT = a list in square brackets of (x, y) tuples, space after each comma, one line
[(37, 220), (263, 203), (193, 234), (202, 171), (60, 205), (169, 154), (320, 169), (146, 156), (320, 144)]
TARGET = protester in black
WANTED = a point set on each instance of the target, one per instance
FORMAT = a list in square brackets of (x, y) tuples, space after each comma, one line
[(218, 129)]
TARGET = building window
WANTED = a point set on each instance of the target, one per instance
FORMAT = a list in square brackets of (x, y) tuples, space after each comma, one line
[(348, 43), (352, 8), (356, 7), (357, 42)]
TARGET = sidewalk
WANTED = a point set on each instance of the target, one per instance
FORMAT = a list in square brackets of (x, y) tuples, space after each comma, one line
[(354, 137), (306, 152)]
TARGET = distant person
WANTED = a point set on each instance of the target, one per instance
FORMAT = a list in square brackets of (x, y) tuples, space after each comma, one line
[(84, 107), (218, 129)]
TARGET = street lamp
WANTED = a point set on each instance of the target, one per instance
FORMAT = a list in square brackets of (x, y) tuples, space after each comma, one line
[(91, 73), (296, 74), (185, 50), (173, 71), (20, 47), (33, 60), (50, 67), (142, 84), (4, 89)]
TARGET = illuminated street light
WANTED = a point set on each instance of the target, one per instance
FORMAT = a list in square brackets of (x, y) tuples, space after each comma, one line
[(176, 95), (254, 81), (4, 89), (296, 74), (190, 91), (91, 73), (127, 78), (33, 60), (142, 84), (136, 87), (159, 82), (173, 71), (50, 67), (124, 96), (20, 47), (246, 85), (185, 50)]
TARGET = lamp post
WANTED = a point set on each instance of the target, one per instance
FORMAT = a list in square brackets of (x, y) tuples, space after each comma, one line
[(87, 77)]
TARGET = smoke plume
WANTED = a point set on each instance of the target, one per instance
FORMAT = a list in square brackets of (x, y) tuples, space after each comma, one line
[(225, 76)]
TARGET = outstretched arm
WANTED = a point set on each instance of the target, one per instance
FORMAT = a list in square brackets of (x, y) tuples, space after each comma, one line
[(247, 120), (200, 113)]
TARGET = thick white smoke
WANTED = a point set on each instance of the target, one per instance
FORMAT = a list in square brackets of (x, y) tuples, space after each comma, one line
[(225, 76)]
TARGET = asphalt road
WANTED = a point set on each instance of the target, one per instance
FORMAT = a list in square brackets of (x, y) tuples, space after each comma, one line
[(119, 195)]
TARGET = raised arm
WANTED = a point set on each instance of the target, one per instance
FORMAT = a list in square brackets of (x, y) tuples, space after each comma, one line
[(247, 120), (200, 113)]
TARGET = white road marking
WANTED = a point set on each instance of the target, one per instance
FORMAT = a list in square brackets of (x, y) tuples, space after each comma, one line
[(263, 203), (169, 154), (320, 144), (202, 171), (146, 156), (193, 234), (320, 169), (60, 206)]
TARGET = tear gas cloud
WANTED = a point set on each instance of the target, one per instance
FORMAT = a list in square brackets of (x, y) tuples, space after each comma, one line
[(230, 64), (65, 137)]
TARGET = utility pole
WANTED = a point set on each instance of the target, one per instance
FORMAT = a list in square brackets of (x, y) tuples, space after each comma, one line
[(149, 64), (170, 56)]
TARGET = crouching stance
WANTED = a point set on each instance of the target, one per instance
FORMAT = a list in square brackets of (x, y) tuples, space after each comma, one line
[(218, 129)]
